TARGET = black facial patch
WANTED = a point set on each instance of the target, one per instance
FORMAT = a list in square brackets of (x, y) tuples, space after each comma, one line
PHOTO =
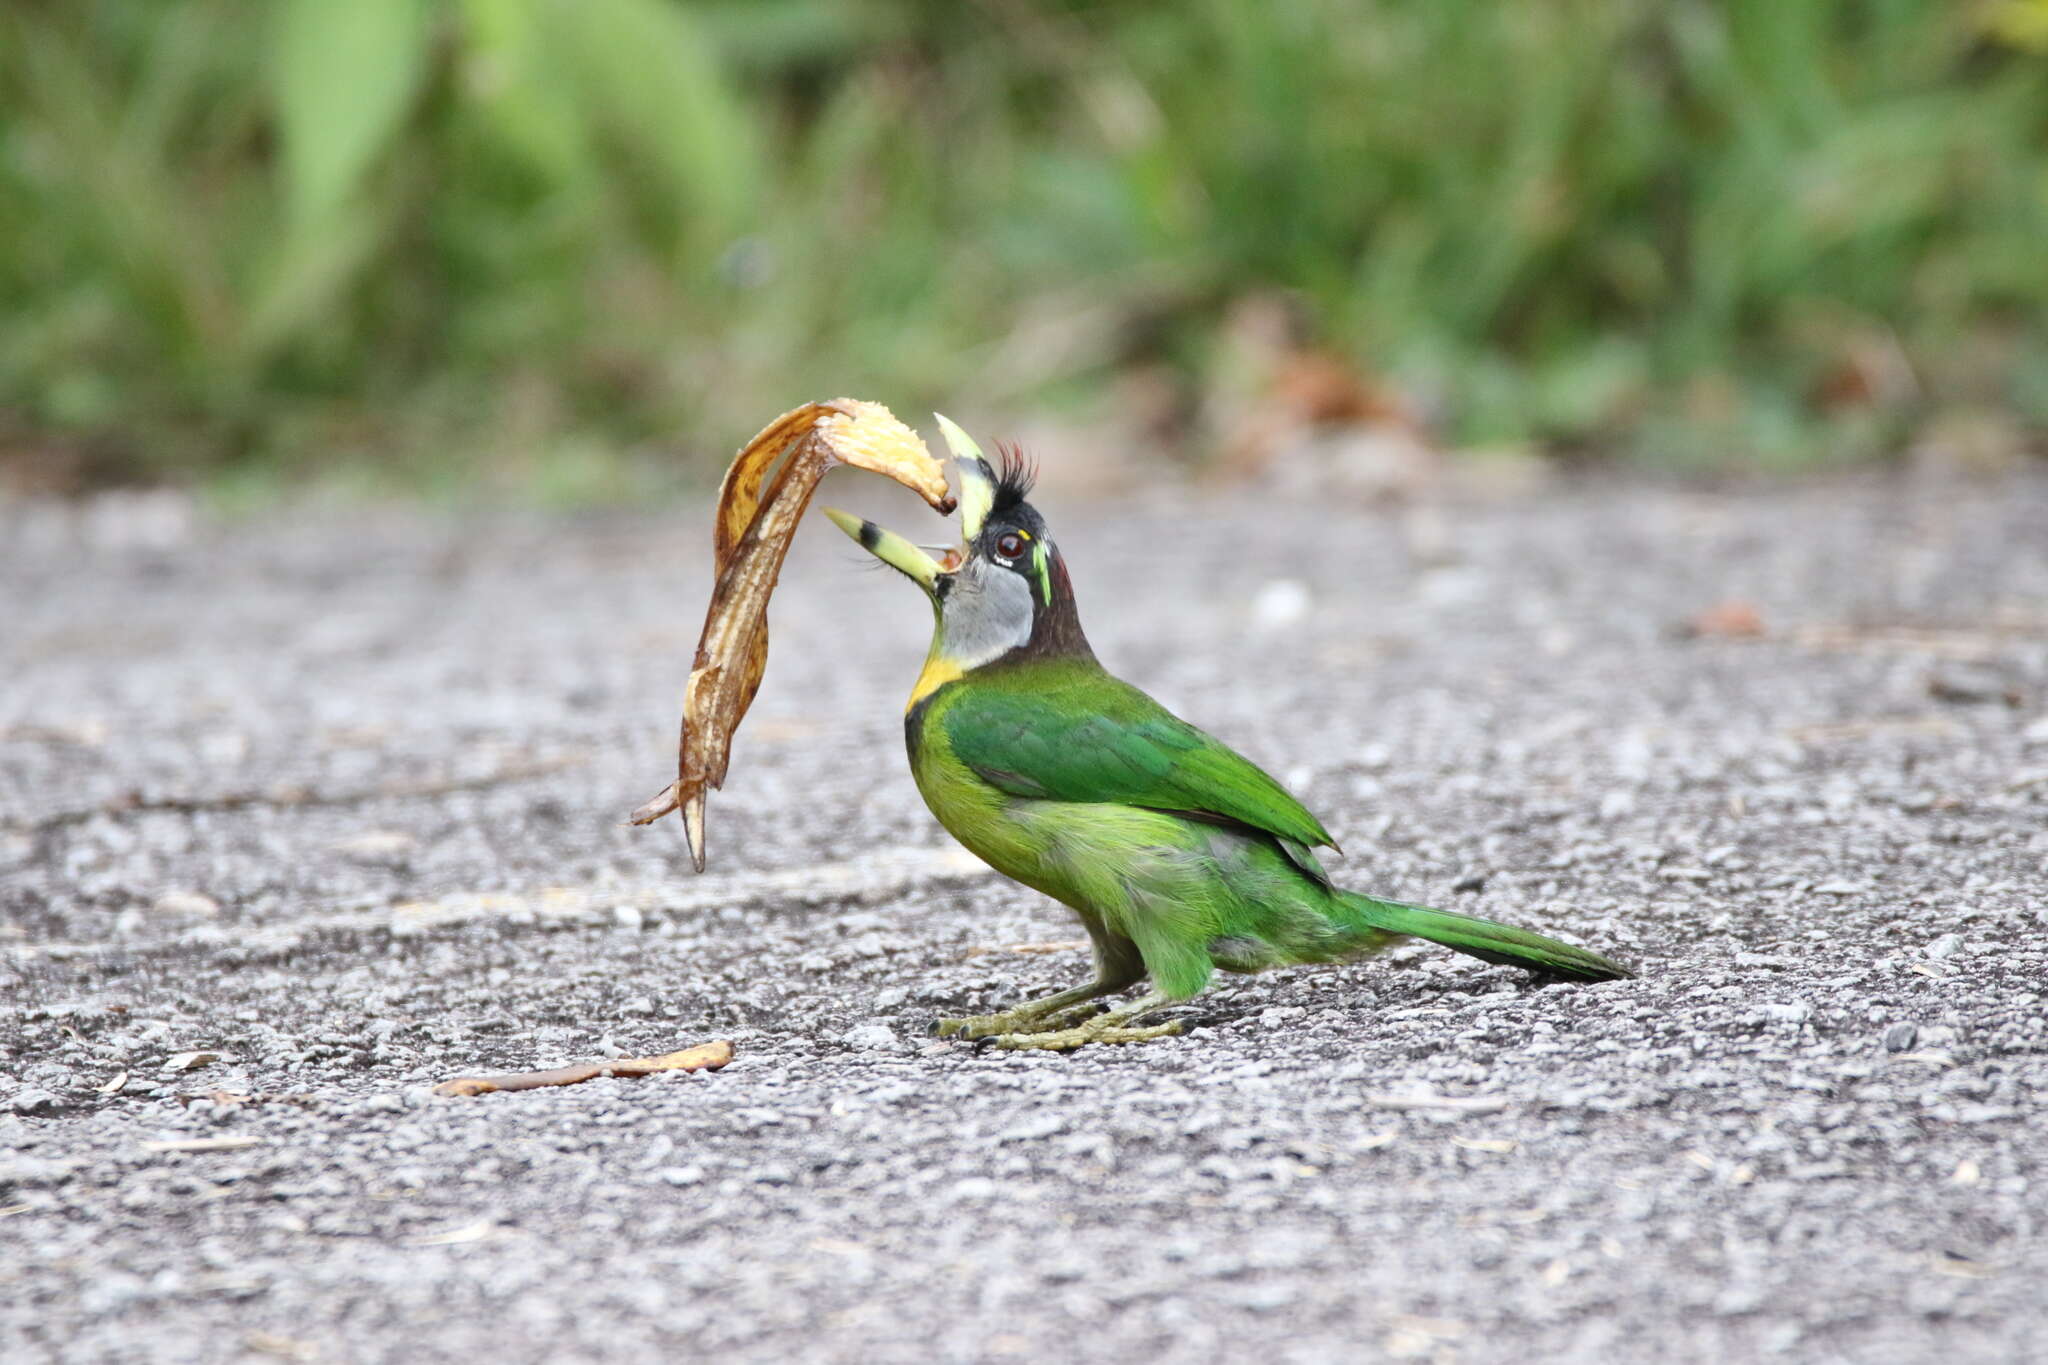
[(1056, 628), (1019, 519), (1009, 512)]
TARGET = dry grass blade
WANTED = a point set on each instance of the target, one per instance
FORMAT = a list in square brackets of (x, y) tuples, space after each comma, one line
[(1056, 946), (482, 1230), (1442, 1104), (229, 1143), (703, 1057), (757, 516)]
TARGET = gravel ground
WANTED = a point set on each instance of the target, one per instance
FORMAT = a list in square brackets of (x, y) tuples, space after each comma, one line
[(334, 803)]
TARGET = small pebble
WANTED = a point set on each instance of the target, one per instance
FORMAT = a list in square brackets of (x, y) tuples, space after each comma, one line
[(192, 903), (871, 1037), (1281, 603)]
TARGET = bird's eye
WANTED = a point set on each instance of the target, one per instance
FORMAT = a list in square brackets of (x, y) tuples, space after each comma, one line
[(1010, 545)]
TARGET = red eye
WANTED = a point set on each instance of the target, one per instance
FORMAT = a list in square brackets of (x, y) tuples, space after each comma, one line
[(1010, 545)]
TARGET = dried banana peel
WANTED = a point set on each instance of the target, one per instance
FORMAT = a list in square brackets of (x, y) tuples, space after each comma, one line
[(757, 517)]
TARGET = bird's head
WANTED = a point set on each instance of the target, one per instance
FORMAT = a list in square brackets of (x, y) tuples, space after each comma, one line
[(1004, 588)]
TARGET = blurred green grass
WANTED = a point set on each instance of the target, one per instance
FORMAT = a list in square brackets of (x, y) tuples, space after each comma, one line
[(510, 238)]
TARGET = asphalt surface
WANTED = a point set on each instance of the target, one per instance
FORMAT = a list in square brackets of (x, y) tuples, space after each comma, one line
[(334, 802)]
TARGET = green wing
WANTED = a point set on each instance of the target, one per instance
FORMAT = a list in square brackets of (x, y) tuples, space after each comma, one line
[(1093, 738)]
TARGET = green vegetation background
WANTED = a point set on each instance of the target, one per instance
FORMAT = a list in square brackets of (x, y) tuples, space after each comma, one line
[(513, 237)]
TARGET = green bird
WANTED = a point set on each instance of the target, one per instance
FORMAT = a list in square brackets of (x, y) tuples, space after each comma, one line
[(1180, 856)]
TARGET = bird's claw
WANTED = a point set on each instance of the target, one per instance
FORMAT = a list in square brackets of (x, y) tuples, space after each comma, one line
[(974, 1027)]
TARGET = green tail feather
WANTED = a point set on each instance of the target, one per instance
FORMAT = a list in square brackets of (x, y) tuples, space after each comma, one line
[(1484, 939)]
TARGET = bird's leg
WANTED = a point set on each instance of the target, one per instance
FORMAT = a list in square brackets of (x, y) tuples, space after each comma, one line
[(1030, 1017), (1118, 967), (1110, 1026)]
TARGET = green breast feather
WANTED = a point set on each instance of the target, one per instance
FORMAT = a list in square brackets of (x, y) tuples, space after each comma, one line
[(1067, 731)]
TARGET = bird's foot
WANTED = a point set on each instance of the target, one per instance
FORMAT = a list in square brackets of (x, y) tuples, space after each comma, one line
[(1069, 1018), (1060, 1031), (1093, 1031), (1033, 1016), (1021, 1020)]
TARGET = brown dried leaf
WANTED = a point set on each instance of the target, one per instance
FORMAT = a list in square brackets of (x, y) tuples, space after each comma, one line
[(1733, 619), (757, 516), (703, 1057)]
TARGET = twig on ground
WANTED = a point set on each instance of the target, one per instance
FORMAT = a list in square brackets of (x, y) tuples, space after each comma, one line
[(704, 1057)]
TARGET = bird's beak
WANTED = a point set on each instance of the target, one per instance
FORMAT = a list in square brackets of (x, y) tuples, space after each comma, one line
[(977, 495), (892, 549), (977, 480)]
